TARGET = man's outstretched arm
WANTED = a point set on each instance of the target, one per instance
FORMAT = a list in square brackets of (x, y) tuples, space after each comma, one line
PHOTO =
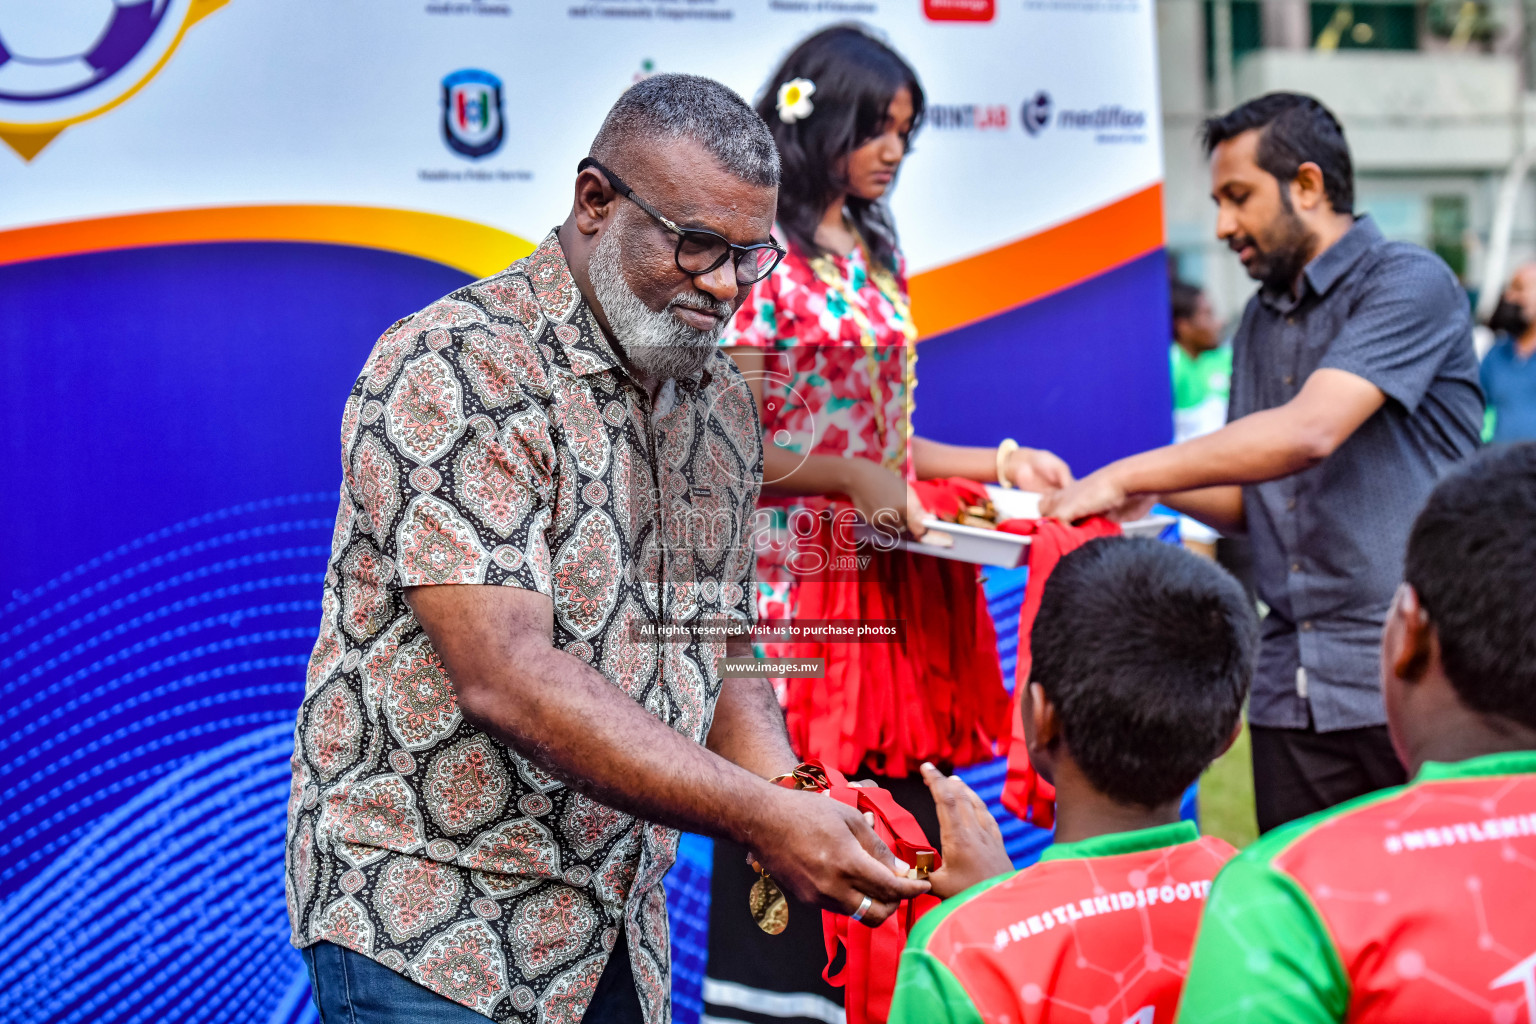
[(1265, 445), (509, 680)]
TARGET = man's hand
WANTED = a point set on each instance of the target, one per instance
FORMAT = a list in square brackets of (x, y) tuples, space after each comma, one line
[(825, 853), (1035, 469), (970, 841), (1099, 493)]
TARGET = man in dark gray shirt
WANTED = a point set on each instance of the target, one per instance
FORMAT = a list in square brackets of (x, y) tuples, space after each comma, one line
[(1354, 389)]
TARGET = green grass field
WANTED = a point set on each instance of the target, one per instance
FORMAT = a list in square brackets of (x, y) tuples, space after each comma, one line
[(1226, 796)]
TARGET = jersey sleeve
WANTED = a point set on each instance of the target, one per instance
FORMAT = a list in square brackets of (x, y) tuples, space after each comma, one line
[(927, 992), (1263, 955)]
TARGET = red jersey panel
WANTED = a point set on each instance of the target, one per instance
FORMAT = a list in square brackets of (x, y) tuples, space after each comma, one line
[(1088, 940), (1430, 897)]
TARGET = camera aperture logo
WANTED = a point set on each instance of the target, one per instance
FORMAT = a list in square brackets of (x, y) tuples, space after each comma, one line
[(473, 121)]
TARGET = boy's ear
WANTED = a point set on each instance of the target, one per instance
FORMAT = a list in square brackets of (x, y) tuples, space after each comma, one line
[(1237, 730), (1410, 640), (1042, 715)]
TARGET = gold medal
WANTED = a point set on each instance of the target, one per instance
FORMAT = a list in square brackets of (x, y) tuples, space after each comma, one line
[(768, 906)]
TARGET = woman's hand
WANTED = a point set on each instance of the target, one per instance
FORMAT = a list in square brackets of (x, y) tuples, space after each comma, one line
[(1035, 469), (873, 488)]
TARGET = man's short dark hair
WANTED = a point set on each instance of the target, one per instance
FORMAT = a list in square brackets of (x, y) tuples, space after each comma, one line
[(1147, 652), (1184, 297), (1472, 559), (671, 107), (1296, 129)]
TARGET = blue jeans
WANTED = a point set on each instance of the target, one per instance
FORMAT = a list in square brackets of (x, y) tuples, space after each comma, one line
[(349, 988)]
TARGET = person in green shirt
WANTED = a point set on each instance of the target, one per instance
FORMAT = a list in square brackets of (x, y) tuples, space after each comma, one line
[(1142, 655), (1416, 903), (1202, 381)]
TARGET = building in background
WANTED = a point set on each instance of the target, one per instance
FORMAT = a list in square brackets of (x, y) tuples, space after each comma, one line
[(1437, 98)]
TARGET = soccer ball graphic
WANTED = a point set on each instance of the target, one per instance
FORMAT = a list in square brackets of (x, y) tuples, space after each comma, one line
[(52, 49)]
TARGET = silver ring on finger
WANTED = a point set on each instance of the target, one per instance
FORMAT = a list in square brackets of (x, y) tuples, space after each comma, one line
[(858, 915)]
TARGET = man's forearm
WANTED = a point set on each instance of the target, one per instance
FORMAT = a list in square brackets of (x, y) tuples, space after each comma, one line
[(748, 728), (576, 722), (1247, 451), (557, 710), (1220, 508)]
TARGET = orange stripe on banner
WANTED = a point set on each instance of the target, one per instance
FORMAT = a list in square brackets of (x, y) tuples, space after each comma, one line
[(473, 248), (980, 286)]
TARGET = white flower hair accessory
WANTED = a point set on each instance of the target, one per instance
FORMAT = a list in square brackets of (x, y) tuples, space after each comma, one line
[(795, 100)]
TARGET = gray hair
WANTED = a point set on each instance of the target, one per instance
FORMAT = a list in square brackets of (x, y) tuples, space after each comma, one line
[(670, 107)]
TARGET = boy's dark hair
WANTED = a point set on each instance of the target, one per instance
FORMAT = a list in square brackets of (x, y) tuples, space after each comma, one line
[(1183, 297), (1297, 129), (1147, 652), (1472, 559)]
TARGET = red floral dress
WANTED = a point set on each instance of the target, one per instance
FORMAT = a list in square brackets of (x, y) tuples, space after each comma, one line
[(838, 380)]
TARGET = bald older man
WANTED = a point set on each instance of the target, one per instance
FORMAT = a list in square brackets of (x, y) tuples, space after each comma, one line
[(1508, 372), (495, 753)]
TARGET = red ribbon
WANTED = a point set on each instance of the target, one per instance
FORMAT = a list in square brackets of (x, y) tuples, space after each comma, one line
[(871, 956), (1025, 793)]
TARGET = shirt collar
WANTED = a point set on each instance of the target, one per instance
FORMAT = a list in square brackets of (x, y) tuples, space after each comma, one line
[(1325, 270), (1135, 841), (554, 287), (1514, 762)]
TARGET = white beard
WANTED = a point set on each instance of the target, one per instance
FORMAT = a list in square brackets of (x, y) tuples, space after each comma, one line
[(657, 344)]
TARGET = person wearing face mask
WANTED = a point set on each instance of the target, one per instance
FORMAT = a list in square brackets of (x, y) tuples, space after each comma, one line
[(1354, 390), (826, 341), (1508, 371)]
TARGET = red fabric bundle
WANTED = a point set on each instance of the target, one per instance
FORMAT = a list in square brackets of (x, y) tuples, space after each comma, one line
[(871, 956), (945, 497), (1025, 793), (937, 695)]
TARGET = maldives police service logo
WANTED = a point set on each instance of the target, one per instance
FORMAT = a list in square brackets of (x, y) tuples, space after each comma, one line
[(473, 124), (66, 61)]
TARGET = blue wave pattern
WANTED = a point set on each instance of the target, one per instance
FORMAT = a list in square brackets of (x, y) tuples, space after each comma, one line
[(148, 700)]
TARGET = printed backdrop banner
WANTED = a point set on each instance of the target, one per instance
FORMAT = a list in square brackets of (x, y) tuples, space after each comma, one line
[(209, 209)]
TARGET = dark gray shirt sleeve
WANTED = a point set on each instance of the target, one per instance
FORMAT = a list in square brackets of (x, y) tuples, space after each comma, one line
[(1398, 334)]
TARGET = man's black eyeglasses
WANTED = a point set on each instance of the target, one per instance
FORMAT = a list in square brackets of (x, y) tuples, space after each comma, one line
[(700, 251)]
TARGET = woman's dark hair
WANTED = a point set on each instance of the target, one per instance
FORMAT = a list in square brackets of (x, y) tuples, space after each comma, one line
[(856, 77), (1297, 129)]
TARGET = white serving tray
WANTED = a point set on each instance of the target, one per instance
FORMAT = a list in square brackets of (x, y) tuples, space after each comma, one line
[(992, 547)]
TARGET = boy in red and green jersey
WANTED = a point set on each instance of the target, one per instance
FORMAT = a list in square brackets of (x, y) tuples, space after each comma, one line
[(1417, 903), (1142, 655)]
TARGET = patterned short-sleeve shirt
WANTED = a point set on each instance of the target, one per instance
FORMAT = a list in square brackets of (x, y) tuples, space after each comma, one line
[(494, 438)]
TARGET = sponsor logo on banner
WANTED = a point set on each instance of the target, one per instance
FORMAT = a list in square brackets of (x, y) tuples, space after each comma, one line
[(1035, 115), (66, 61), (1109, 122), (473, 124), (960, 10), (979, 117)]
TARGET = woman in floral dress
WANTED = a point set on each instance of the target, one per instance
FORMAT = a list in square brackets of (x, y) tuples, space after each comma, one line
[(827, 345)]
